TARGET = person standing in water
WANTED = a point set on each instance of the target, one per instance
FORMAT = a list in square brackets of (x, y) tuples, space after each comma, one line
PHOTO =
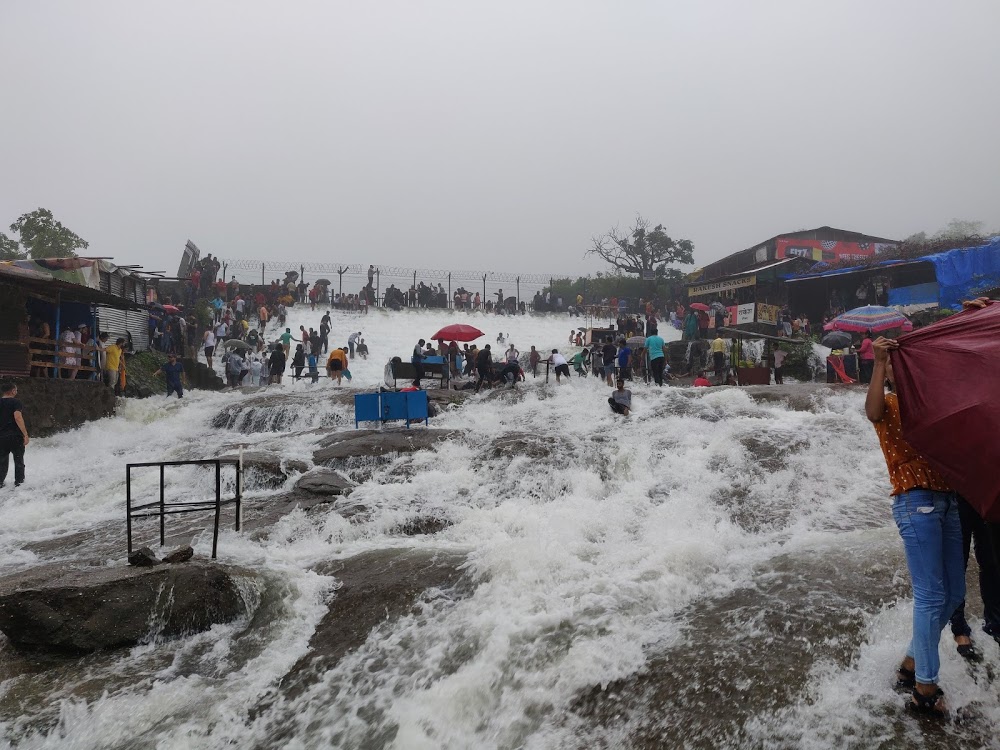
[(13, 433), (173, 372), (926, 512), (533, 359)]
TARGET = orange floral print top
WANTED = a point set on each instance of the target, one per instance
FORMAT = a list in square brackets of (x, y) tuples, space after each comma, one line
[(908, 470)]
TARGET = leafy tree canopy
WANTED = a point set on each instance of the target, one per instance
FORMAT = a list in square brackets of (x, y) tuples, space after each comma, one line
[(9, 248), (641, 249), (44, 237)]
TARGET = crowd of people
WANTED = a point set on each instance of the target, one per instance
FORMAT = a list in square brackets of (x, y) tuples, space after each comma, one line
[(249, 358)]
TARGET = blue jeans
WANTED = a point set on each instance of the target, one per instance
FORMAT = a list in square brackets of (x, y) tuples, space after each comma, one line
[(929, 524)]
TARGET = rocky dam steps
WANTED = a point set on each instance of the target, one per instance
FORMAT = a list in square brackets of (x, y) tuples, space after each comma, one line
[(719, 570)]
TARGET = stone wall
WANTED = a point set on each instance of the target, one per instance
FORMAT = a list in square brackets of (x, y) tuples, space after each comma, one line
[(52, 405)]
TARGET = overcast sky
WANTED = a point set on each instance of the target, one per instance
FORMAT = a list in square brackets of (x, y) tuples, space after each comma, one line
[(493, 135)]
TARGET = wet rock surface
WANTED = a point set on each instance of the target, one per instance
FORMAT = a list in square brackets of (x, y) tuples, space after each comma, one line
[(422, 526), (374, 587), (273, 411), (266, 469), (324, 481), (377, 443), (516, 444), (78, 610), (143, 558), (51, 406), (179, 555)]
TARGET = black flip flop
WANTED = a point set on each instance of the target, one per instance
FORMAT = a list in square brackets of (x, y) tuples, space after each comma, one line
[(926, 704), (906, 679), (969, 652)]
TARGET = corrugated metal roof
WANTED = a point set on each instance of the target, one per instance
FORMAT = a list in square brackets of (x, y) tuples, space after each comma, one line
[(854, 269), (43, 283)]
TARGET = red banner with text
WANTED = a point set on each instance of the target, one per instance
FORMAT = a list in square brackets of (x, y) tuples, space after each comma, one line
[(828, 250)]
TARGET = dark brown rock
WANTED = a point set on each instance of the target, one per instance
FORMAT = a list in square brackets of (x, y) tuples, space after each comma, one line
[(377, 443), (422, 526), (143, 558), (179, 555), (324, 481), (54, 608)]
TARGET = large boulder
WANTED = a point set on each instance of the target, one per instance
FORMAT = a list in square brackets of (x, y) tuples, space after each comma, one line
[(55, 608), (377, 443), (325, 482)]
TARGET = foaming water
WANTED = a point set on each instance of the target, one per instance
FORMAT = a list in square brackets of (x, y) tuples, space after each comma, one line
[(717, 570)]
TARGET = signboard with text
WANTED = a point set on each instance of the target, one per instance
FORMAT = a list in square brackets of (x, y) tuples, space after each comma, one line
[(828, 250), (744, 313), (723, 285)]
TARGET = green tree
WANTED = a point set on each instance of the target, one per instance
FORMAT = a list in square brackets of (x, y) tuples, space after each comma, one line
[(44, 237), (9, 248), (642, 249)]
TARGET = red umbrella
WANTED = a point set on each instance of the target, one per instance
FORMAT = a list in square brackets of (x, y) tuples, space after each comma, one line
[(458, 332), (171, 309), (699, 306)]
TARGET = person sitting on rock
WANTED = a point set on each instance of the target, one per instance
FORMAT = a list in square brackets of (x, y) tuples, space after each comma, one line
[(620, 400)]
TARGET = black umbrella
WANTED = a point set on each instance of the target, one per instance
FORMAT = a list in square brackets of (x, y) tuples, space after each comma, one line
[(837, 340), (324, 282)]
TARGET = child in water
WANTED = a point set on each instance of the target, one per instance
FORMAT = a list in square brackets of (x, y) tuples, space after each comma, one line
[(313, 368)]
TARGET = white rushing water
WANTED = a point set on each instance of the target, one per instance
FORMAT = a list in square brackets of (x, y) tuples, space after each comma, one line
[(713, 571)]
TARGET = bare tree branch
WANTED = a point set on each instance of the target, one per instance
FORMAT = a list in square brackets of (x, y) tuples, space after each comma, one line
[(640, 249)]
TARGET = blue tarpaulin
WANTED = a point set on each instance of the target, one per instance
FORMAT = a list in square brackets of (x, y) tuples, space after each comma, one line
[(917, 294), (966, 272)]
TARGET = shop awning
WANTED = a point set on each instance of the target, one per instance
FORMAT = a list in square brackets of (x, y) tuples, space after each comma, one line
[(736, 280)]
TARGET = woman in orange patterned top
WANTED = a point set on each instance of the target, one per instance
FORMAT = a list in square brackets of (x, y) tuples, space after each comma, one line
[(926, 512)]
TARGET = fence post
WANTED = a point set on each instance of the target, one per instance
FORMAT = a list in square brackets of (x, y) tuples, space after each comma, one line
[(519, 292), (163, 517), (448, 301), (218, 507), (484, 291), (378, 285), (128, 505), (341, 274), (239, 491), (262, 274)]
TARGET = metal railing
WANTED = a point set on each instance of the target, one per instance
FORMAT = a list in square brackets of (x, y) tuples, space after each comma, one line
[(161, 508)]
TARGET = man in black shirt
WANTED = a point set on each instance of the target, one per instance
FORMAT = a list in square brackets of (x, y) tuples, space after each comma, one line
[(609, 352), (484, 366), (417, 360), (13, 433), (276, 364)]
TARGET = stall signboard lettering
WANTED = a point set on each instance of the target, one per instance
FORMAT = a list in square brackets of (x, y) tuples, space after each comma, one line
[(723, 285), (767, 313), (828, 250), (744, 313)]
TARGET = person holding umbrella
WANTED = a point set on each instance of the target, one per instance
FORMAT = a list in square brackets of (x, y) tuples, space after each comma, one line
[(926, 513)]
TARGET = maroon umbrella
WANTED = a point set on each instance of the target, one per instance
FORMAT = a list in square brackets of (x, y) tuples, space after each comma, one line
[(457, 332), (699, 306), (946, 380)]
